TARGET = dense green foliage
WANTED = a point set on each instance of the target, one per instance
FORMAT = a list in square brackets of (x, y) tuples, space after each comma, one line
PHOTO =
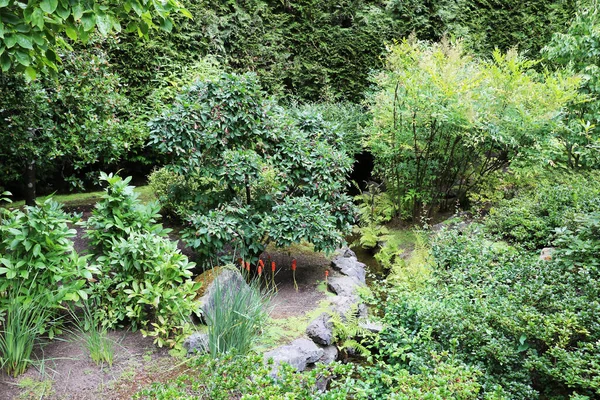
[(326, 50), (532, 216), (248, 377), (68, 125), (485, 25), (524, 327), (444, 121), (312, 50), (261, 174), (38, 259), (577, 48), (32, 33)]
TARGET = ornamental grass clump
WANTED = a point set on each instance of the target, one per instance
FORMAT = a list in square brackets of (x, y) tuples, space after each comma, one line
[(236, 318), (23, 323), (94, 336)]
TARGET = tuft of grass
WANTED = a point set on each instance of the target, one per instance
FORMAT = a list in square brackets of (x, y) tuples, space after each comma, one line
[(22, 324), (33, 389), (236, 318), (94, 336)]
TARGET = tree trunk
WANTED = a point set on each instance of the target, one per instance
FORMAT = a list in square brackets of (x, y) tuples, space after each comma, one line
[(30, 182)]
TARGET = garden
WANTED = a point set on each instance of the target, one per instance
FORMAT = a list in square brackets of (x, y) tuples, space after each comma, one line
[(299, 200)]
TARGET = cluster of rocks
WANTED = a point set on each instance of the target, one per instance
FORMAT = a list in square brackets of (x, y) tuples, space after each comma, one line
[(348, 277)]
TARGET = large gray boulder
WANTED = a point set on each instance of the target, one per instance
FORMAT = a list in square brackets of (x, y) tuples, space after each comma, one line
[(222, 285), (346, 263), (196, 343), (299, 354), (343, 305), (321, 330), (344, 285), (330, 354)]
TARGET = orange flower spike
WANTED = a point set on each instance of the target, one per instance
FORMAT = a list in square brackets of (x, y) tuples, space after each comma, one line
[(259, 269), (326, 273), (294, 265), (248, 266), (273, 275), (261, 263)]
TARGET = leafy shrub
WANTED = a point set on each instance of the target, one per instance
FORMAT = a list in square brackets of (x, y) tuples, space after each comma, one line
[(447, 378), (146, 282), (38, 260), (145, 278), (119, 214), (248, 377), (444, 120), (263, 175), (236, 319), (531, 217), (175, 192)]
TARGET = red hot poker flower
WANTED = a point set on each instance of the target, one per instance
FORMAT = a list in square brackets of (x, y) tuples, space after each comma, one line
[(247, 266), (259, 269), (261, 263), (272, 266), (326, 273), (293, 264)]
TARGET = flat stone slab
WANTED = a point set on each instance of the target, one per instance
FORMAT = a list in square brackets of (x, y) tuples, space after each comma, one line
[(373, 327)]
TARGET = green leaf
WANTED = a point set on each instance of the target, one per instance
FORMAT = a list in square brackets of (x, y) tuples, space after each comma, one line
[(89, 21), (1, 30), (24, 41), (23, 58), (103, 23), (166, 25), (37, 18), (63, 11), (4, 3), (38, 38), (10, 40), (77, 12), (30, 74), (186, 13), (49, 6), (5, 62), (139, 10), (71, 32), (51, 55)]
